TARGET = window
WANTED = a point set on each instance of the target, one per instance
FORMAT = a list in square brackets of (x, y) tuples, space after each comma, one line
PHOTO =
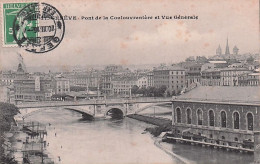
[(211, 118), (188, 116), (178, 111), (199, 116), (250, 121), (223, 116), (236, 120)]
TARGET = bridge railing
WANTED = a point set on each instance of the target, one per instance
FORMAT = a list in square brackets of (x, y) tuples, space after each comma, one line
[(91, 102)]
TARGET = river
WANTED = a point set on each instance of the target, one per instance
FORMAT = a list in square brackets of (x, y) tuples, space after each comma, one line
[(79, 141)]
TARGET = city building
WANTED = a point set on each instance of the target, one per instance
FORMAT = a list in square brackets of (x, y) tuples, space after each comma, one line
[(7, 78), (249, 79), (87, 79), (33, 88), (173, 77), (142, 82), (62, 84), (218, 115), (210, 77), (122, 84), (150, 80), (229, 76), (107, 75), (193, 74)]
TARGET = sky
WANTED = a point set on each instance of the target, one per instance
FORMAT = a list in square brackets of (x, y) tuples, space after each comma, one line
[(140, 42)]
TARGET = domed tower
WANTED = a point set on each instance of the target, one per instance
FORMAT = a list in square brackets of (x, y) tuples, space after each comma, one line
[(219, 50), (235, 50)]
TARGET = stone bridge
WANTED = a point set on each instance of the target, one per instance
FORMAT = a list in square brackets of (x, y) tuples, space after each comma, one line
[(98, 109)]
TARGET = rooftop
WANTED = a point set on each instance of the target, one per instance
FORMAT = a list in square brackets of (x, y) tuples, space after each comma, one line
[(238, 95)]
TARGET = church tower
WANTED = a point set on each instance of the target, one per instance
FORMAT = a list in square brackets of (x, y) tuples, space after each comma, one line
[(219, 51), (227, 49), (235, 50)]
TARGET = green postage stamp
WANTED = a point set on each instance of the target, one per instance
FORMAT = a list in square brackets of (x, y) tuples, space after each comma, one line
[(37, 27), (10, 11)]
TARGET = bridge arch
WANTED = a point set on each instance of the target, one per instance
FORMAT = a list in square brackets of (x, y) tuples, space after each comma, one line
[(115, 112), (85, 114)]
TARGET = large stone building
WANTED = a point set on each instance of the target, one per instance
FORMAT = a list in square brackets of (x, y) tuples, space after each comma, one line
[(122, 84), (173, 77), (85, 79), (193, 74), (229, 76), (62, 85), (210, 77), (150, 79), (32, 88), (219, 115), (107, 75), (142, 82), (249, 79)]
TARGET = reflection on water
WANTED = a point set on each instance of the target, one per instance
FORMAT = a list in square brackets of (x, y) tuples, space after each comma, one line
[(117, 141), (106, 141)]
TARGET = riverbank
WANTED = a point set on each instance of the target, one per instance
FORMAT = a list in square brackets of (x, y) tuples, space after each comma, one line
[(7, 113), (162, 125)]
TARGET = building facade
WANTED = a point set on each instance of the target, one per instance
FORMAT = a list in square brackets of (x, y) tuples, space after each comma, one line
[(173, 77), (208, 118), (33, 88), (142, 82), (62, 85), (210, 77), (150, 79), (122, 85), (229, 76)]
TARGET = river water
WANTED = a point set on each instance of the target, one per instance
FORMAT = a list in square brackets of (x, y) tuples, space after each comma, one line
[(77, 141)]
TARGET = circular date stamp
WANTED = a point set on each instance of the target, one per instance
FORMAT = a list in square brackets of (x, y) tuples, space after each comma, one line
[(38, 28)]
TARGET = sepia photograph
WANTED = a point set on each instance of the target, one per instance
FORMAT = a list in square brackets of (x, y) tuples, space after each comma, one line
[(129, 82)]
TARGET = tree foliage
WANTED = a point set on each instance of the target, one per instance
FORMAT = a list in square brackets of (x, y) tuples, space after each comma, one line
[(149, 91)]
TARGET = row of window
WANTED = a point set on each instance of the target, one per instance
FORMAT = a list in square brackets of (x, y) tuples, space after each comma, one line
[(211, 117)]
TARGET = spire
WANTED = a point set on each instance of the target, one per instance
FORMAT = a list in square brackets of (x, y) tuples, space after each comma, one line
[(227, 48)]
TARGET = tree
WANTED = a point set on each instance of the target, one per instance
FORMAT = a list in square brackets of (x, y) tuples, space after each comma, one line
[(159, 92), (250, 60), (150, 91), (142, 91), (134, 89)]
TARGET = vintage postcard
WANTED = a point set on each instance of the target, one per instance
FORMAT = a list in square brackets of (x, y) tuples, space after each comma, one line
[(127, 82)]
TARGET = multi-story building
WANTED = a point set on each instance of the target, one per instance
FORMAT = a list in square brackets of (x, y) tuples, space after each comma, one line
[(210, 77), (249, 79), (62, 84), (142, 82), (87, 79), (33, 88), (193, 74), (7, 78), (123, 84), (253, 79), (173, 77), (107, 76), (150, 80), (229, 76), (218, 116)]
